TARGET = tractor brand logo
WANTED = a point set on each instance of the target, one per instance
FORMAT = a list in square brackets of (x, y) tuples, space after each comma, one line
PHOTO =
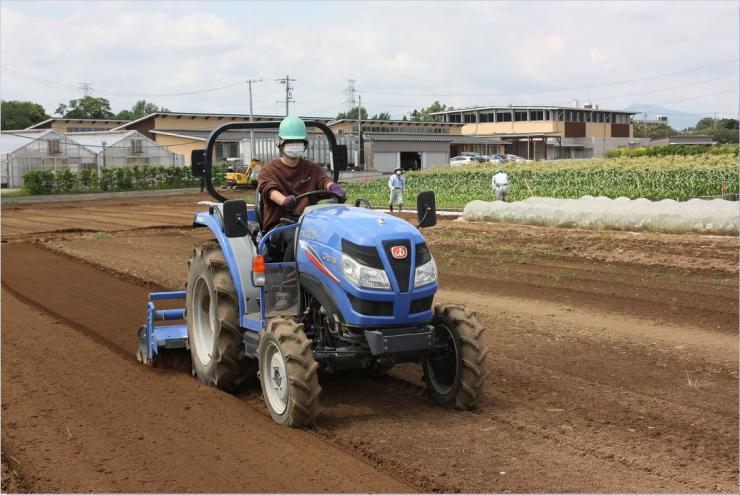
[(330, 259), (399, 252)]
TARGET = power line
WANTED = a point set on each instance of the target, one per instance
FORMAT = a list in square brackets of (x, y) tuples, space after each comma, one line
[(734, 90), (556, 90), (12, 73)]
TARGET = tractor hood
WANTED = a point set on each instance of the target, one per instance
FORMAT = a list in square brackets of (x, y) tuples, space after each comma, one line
[(332, 223)]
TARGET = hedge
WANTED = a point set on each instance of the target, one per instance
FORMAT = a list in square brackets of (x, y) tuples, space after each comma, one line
[(45, 181)]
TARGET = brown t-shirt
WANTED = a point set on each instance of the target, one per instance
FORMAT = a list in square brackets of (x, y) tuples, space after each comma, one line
[(304, 177)]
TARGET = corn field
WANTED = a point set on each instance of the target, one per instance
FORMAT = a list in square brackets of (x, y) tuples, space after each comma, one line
[(654, 178)]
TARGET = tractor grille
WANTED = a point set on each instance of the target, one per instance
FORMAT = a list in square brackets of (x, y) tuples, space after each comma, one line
[(371, 308), (421, 305), (401, 268)]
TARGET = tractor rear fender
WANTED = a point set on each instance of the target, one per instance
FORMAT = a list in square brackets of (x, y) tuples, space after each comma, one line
[(234, 248)]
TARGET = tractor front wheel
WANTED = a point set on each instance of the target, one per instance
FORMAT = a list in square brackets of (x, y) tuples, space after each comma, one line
[(455, 370), (212, 314), (289, 373)]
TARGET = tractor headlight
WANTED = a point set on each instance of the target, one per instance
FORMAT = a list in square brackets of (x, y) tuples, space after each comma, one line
[(425, 274), (364, 276)]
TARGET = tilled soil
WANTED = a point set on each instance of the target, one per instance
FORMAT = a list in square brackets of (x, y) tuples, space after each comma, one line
[(614, 367)]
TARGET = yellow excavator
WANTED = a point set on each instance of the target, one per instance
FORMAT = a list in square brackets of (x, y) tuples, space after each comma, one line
[(241, 176)]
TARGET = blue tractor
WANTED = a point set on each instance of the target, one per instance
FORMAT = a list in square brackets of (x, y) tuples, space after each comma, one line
[(358, 295)]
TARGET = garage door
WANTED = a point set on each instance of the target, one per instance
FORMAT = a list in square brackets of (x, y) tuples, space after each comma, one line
[(385, 161), (432, 159)]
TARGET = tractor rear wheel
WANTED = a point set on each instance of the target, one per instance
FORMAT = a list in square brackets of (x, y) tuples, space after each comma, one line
[(455, 372), (289, 373), (212, 314)]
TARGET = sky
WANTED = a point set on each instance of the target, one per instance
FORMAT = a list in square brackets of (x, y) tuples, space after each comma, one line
[(402, 55)]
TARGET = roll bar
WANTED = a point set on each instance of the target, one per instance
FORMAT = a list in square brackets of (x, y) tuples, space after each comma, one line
[(204, 168)]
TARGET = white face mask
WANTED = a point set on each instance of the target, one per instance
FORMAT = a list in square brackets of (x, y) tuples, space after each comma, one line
[(293, 150)]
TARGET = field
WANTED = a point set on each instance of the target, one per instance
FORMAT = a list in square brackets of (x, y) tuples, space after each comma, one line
[(654, 178), (614, 368)]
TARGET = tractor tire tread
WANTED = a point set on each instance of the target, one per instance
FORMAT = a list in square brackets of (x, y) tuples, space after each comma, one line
[(229, 369), (303, 408), (473, 353)]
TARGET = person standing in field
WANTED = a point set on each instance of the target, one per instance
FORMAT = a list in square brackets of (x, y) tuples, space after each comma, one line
[(500, 185), (396, 183)]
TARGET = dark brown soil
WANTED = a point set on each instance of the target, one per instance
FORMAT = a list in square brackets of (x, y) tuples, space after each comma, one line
[(614, 368)]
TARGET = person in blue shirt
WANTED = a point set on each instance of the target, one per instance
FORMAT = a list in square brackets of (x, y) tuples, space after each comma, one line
[(396, 183)]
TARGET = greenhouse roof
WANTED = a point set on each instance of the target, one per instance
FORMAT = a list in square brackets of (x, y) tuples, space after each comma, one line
[(11, 141), (96, 139)]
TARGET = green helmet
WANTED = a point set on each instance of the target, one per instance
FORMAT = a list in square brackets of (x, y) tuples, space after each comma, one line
[(292, 129), (498, 171)]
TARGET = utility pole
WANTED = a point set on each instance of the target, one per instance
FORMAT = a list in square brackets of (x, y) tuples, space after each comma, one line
[(251, 119), (359, 129), (288, 92), (644, 123), (715, 121)]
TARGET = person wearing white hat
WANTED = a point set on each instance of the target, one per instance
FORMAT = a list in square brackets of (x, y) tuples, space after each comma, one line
[(396, 183)]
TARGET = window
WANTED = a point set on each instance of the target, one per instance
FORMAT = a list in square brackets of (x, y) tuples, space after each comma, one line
[(54, 146), (469, 118), (227, 150), (537, 115), (520, 116), (137, 146), (503, 116)]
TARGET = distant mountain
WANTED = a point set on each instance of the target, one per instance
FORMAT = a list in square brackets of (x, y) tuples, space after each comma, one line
[(676, 119)]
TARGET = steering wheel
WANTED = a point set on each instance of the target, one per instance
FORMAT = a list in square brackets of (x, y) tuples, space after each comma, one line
[(321, 194)]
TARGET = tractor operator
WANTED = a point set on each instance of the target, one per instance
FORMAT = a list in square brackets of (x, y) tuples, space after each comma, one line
[(281, 180)]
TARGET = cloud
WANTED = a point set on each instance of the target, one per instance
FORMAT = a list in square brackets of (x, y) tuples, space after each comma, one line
[(425, 51)]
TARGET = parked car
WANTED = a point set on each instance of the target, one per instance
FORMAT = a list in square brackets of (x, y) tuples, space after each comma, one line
[(517, 159), (496, 159), (475, 156), (459, 161)]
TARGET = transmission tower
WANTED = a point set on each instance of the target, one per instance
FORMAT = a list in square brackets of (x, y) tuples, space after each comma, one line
[(351, 93), (85, 88), (288, 93)]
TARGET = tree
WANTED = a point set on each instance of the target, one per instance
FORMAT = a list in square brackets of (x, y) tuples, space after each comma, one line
[(724, 136), (705, 123), (87, 107), (21, 114), (140, 109), (426, 113), (381, 116), (353, 114), (654, 132)]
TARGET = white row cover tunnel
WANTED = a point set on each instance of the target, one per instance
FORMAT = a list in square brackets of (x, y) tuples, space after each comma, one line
[(717, 216)]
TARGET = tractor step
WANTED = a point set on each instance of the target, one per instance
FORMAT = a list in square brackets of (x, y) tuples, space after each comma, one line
[(155, 339)]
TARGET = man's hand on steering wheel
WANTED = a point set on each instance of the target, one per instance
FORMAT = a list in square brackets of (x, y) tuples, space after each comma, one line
[(340, 197), (336, 189)]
